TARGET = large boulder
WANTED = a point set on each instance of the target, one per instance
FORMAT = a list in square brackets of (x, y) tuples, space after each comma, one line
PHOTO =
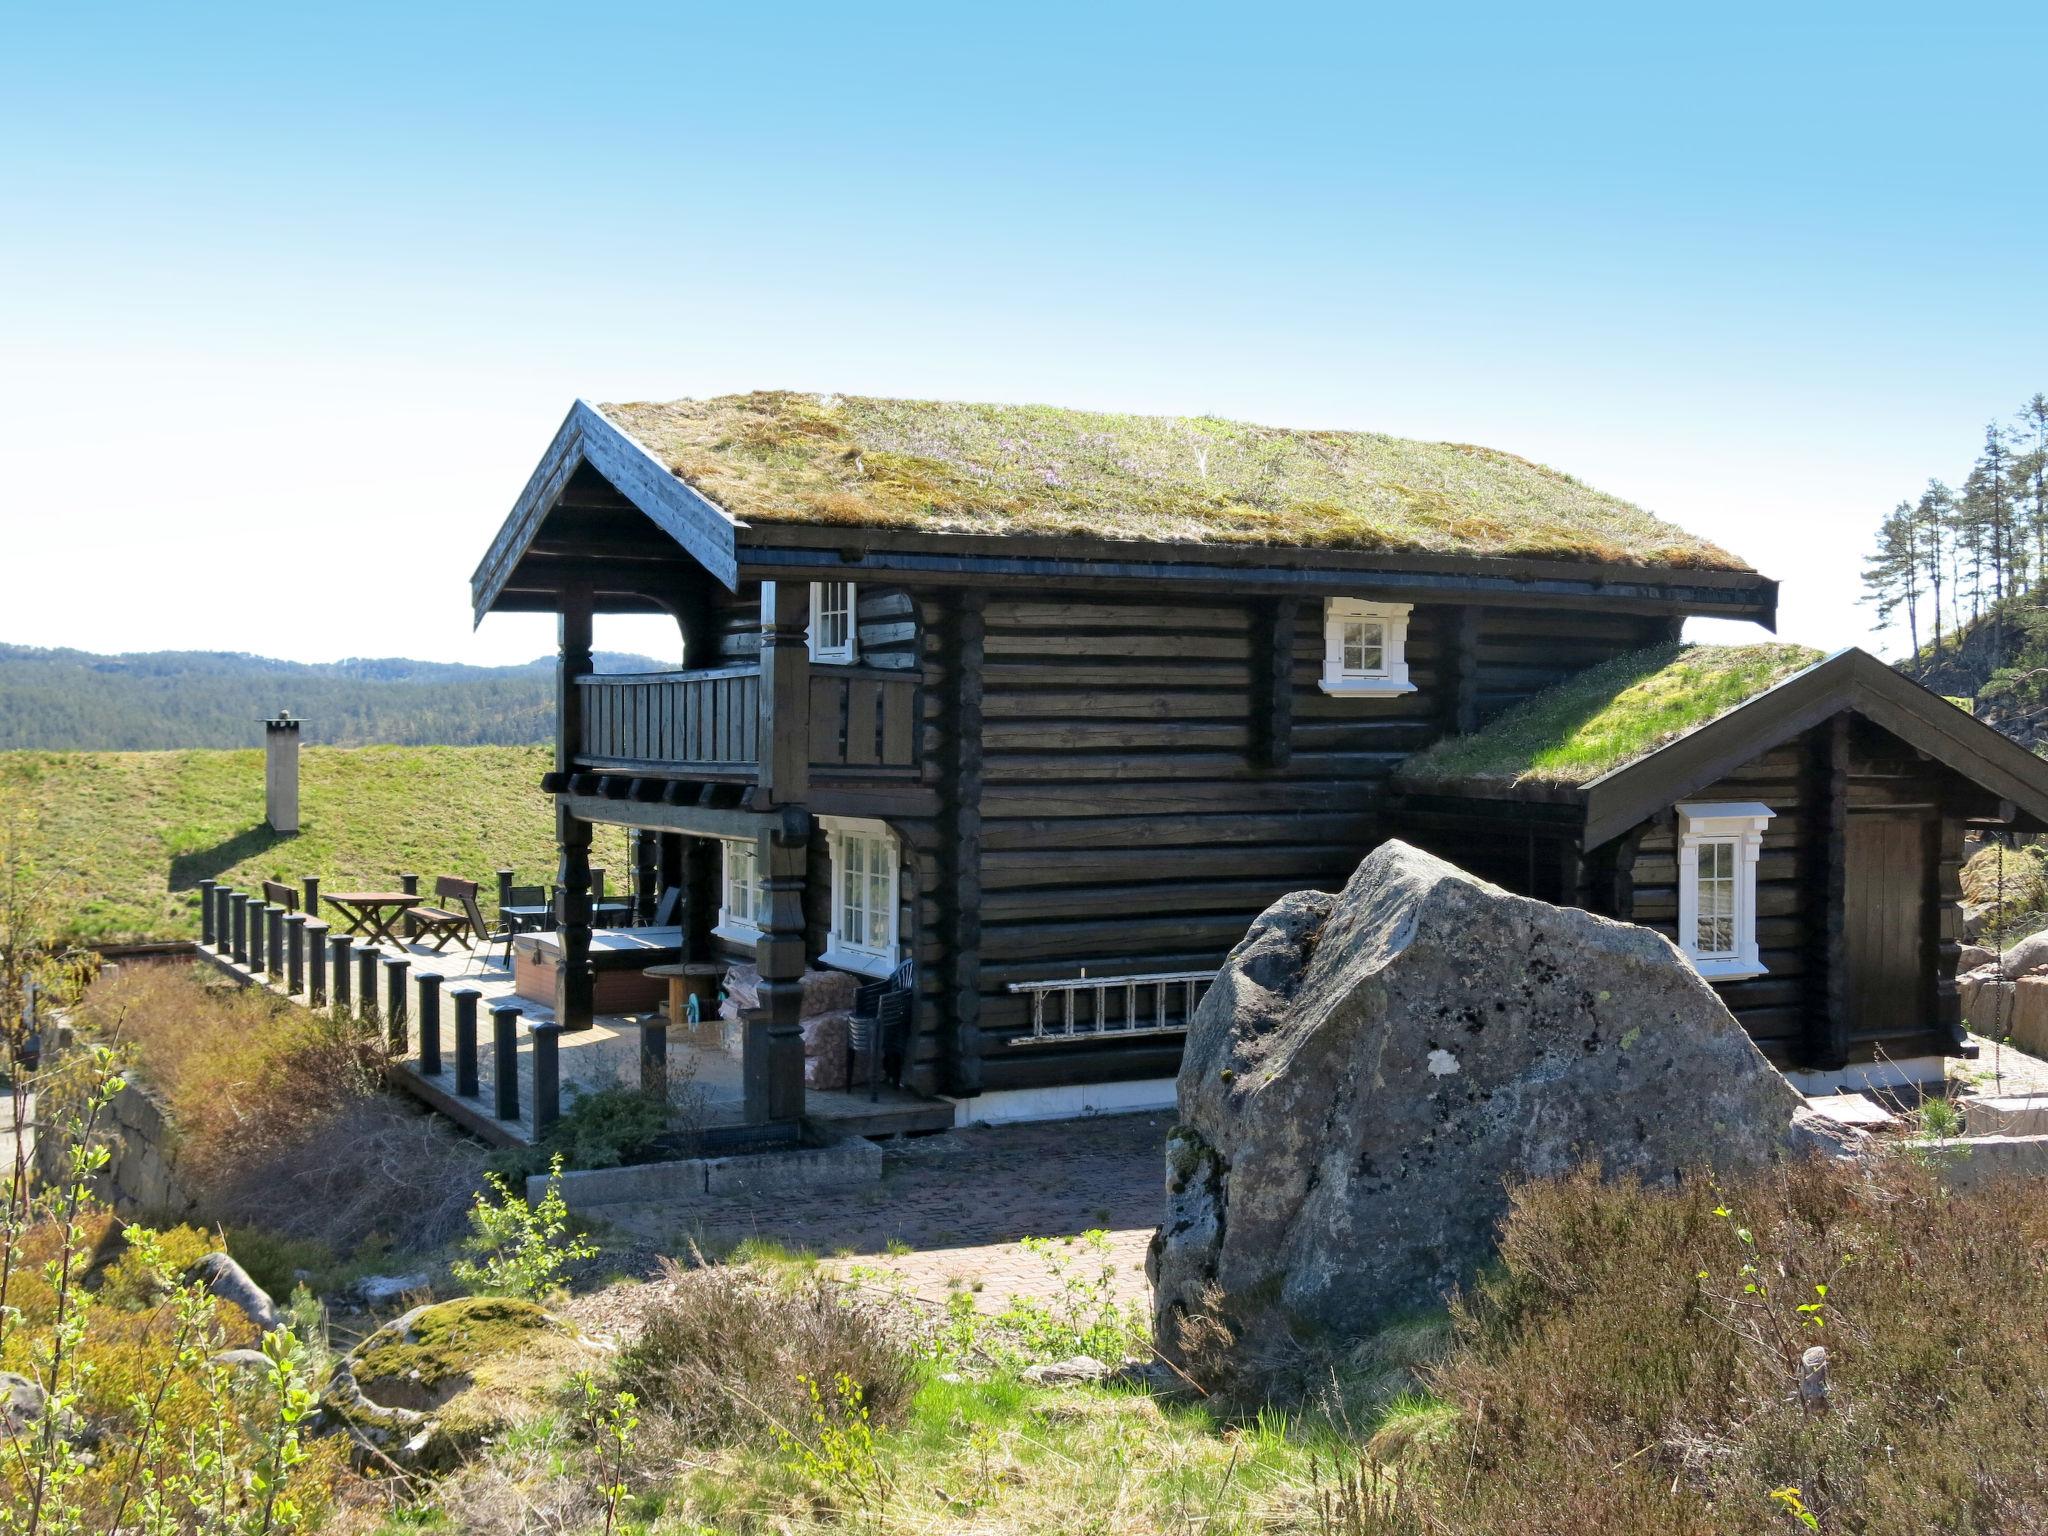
[(1371, 1069)]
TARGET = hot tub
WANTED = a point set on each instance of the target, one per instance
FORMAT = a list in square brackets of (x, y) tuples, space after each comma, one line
[(618, 956)]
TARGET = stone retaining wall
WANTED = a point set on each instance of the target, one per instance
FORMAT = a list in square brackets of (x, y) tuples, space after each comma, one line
[(141, 1177)]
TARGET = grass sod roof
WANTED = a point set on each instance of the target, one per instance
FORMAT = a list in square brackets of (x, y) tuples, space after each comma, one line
[(1610, 715), (943, 467)]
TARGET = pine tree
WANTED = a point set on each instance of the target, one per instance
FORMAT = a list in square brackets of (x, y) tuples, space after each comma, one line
[(1890, 577), (1935, 516), (2030, 476)]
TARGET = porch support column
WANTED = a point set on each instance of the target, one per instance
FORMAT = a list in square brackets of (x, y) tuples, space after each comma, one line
[(785, 770), (772, 1064), (573, 980), (698, 874), (1827, 1038)]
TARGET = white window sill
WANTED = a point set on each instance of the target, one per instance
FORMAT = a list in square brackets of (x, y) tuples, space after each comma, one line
[(1728, 970), (835, 661), (860, 962), (738, 933), (1368, 687)]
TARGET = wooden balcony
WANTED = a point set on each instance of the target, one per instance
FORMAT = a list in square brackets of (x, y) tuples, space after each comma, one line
[(708, 724)]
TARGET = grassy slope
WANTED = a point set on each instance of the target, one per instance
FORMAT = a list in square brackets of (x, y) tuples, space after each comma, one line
[(1612, 714), (1022, 469), (133, 833)]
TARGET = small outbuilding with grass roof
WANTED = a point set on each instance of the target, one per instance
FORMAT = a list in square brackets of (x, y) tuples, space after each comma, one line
[(1794, 822)]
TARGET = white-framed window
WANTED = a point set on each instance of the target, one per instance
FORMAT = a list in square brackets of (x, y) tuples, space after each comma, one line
[(739, 908), (833, 618), (864, 861), (1365, 646), (1718, 844)]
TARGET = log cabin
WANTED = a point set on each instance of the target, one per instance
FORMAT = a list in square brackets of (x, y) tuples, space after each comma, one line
[(1034, 710)]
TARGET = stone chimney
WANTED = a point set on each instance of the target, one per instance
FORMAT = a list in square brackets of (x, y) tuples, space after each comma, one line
[(281, 772)]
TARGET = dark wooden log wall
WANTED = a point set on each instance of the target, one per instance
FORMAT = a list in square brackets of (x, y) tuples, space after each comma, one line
[(886, 618), (1522, 651)]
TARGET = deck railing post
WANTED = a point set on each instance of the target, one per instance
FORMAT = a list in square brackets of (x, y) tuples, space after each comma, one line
[(257, 912), (504, 891), (430, 1023), (547, 1075), (275, 922), (505, 1061), (311, 885), (396, 976), (294, 953), (410, 884), (465, 1040), (366, 979), (316, 962), (338, 946), (240, 914), (223, 920), (206, 914), (654, 1061)]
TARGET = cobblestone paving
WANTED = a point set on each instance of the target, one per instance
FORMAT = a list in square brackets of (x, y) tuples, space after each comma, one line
[(951, 1209)]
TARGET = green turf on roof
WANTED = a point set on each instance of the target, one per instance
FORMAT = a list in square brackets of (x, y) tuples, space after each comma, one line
[(1610, 715), (1031, 469)]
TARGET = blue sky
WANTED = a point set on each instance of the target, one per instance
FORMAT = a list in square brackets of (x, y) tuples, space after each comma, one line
[(292, 298)]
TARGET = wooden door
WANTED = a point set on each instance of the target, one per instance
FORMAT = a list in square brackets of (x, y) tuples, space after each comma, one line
[(1885, 927)]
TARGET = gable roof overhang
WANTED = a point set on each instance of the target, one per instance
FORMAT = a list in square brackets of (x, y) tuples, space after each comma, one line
[(593, 465), (1851, 680)]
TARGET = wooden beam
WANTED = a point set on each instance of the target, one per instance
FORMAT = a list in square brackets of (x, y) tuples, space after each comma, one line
[(1828, 1021), (1458, 670), (785, 735), (961, 796)]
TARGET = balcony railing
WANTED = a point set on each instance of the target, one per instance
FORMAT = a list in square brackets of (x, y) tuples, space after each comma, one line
[(709, 722)]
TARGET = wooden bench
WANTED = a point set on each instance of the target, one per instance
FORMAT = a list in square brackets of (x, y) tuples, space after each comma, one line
[(451, 920), (280, 895)]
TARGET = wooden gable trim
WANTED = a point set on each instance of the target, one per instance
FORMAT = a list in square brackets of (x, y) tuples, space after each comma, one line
[(1848, 680), (705, 531)]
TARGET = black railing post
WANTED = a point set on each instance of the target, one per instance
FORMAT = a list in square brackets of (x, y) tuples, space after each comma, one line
[(275, 923), (410, 884), (295, 953), (311, 885), (504, 891), (223, 920), (240, 950), (366, 980), (206, 928), (505, 1061), (430, 1023), (465, 1040), (257, 913), (547, 1075), (654, 1061), (396, 969), (316, 962), (344, 980)]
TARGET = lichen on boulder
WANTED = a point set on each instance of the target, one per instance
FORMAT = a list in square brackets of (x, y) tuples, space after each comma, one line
[(1372, 1069)]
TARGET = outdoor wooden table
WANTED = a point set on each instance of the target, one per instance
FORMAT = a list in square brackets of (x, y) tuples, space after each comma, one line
[(373, 912), (679, 978)]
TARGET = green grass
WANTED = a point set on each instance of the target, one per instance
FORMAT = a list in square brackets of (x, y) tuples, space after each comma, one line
[(1029, 469), (130, 834), (1611, 715)]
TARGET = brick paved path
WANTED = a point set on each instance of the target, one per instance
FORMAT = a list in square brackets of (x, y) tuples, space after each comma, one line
[(958, 1203)]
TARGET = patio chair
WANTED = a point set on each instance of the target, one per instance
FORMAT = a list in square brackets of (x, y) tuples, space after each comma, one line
[(486, 936), (525, 896), (881, 1013)]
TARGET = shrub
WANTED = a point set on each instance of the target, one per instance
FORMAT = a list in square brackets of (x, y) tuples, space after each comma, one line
[(521, 1249), (603, 1129), (726, 1355)]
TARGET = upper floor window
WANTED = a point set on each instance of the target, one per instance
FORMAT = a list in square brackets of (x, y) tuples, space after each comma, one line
[(832, 622), (1365, 646), (1718, 844), (739, 910), (863, 933)]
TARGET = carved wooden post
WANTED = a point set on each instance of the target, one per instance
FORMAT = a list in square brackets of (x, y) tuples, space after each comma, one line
[(547, 1075), (366, 980), (295, 952), (465, 1040), (344, 981), (316, 962), (505, 1061), (206, 913), (430, 1023), (396, 974), (785, 721), (240, 950), (573, 980), (772, 1062)]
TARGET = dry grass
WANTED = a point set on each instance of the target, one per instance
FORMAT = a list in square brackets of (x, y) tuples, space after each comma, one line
[(940, 466), (1611, 715), (2013, 883), (280, 1121)]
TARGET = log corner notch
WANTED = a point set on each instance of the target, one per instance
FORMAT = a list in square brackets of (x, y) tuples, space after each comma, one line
[(1827, 1038), (1272, 691)]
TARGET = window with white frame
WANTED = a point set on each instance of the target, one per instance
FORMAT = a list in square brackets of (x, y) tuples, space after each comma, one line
[(863, 932), (1718, 845), (739, 909), (832, 622), (1365, 647)]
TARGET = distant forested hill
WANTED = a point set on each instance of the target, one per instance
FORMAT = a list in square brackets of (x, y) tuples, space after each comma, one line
[(75, 701)]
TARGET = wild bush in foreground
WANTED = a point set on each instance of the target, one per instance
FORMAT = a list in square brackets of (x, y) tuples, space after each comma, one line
[(520, 1249), (1634, 1363)]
